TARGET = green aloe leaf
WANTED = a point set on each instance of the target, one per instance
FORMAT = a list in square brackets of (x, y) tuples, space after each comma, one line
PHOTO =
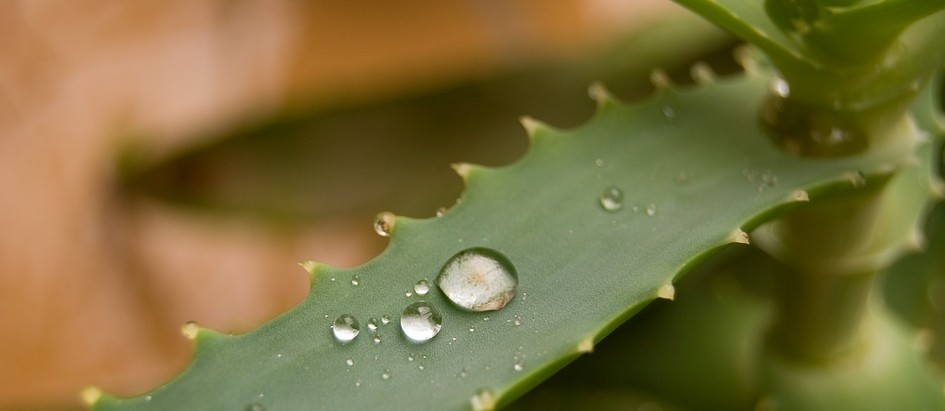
[(694, 169)]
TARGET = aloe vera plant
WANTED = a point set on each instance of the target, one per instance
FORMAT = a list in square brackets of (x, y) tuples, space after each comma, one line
[(793, 185)]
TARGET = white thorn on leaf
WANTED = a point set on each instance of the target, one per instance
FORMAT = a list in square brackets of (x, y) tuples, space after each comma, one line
[(483, 400), (462, 169), (530, 125), (800, 196), (586, 345), (190, 329), (599, 94), (90, 395), (666, 292), (740, 237), (702, 73), (309, 265), (660, 79)]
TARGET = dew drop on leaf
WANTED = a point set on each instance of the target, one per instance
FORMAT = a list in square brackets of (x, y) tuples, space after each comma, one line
[(385, 375), (422, 287), (372, 324), (478, 279), (355, 281), (611, 199), (385, 319), (345, 328), (420, 321)]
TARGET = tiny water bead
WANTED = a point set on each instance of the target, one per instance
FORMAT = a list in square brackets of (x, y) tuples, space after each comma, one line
[(808, 131), (385, 319), (255, 407), (611, 199), (420, 321), (385, 375), (349, 361), (422, 287), (478, 279), (483, 400), (345, 328), (384, 223), (372, 324), (355, 280)]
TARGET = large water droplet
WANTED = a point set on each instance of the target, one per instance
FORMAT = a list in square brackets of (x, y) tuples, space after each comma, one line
[(384, 223), (345, 328), (478, 279), (420, 321), (422, 287), (611, 199)]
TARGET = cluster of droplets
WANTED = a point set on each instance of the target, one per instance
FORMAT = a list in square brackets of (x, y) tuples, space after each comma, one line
[(476, 279)]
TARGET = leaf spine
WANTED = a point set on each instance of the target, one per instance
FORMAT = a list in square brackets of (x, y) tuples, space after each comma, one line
[(740, 237), (666, 292), (702, 73), (190, 330), (660, 79), (586, 346), (90, 395)]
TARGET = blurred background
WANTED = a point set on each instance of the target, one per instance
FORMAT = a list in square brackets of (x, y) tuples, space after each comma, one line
[(169, 161)]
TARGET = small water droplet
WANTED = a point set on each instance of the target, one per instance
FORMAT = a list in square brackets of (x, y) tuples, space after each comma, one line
[(812, 131), (372, 324), (611, 199), (385, 375), (385, 319), (384, 223), (357, 383), (422, 287), (377, 339), (440, 212), (410, 358), (483, 400), (421, 367), (518, 367), (669, 112), (486, 318), (408, 293), (349, 361), (471, 329), (651, 210), (147, 398), (478, 279), (255, 407), (355, 280), (599, 162), (420, 321), (345, 328)]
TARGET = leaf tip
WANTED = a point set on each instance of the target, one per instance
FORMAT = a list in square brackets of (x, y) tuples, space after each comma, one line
[(586, 346), (666, 292), (190, 330), (90, 395)]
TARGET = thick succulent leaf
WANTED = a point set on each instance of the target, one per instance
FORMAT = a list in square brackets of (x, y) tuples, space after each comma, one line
[(694, 168)]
